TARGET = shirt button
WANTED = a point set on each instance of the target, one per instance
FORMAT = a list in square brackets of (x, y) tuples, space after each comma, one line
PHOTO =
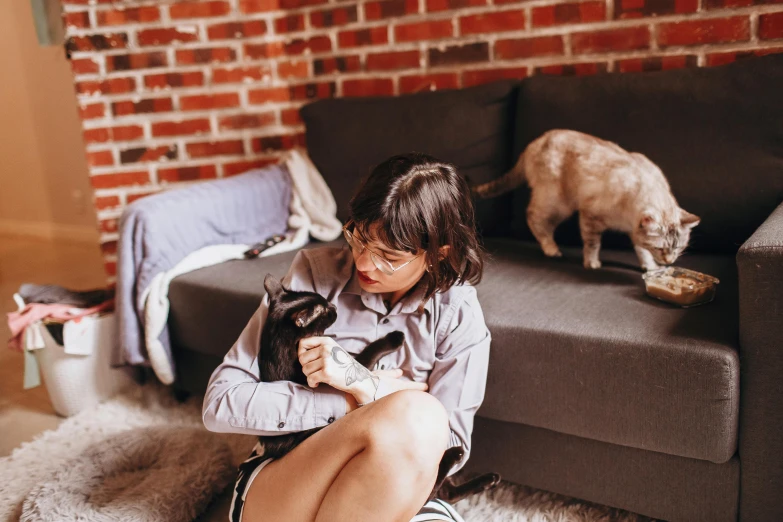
[(383, 367), (331, 420), (281, 425), (385, 321)]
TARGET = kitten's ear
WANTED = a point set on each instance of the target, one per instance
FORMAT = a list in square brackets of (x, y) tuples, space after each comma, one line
[(648, 223), (272, 286), (688, 220)]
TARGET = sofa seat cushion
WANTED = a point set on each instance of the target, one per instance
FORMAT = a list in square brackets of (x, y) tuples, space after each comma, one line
[(588, 353)]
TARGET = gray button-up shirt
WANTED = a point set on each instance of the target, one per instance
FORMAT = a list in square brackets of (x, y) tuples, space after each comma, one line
[(446, 346)]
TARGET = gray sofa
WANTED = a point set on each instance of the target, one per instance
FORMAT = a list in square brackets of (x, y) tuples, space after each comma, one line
[(595, 390)]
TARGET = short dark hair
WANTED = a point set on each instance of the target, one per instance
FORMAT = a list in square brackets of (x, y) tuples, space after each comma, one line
[(422, 203)]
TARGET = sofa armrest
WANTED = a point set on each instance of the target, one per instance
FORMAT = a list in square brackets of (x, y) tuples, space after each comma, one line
[(760, 265)]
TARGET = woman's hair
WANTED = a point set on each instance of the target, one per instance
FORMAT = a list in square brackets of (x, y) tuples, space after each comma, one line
[(421, 203)]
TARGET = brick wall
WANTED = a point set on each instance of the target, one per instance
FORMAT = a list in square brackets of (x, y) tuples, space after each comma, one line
[(177, 92)]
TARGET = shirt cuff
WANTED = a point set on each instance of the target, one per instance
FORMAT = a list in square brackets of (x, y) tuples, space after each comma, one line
[(330, 404)]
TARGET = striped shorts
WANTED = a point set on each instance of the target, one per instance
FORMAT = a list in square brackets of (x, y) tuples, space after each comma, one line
[(435, 509)]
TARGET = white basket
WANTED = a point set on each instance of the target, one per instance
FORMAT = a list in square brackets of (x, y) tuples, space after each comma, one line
[(76, 382)]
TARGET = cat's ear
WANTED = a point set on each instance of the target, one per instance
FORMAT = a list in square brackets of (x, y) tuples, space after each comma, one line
[(272, 286), (649, 224), (688, 220)]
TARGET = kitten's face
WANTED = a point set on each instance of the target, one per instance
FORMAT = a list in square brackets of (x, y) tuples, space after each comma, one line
[(309, 312), (665, 238)]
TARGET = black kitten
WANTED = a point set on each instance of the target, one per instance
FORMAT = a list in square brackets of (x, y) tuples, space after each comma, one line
[(293, 316)]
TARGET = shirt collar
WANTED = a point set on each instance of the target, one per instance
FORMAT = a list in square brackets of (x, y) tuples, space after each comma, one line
[(408, 304)]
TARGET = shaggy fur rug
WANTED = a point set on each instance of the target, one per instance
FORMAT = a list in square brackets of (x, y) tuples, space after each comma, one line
[(34, 463)]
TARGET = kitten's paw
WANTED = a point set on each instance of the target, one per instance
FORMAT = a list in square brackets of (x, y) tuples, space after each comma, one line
[(552, 251), (592, 264), (649, 267)]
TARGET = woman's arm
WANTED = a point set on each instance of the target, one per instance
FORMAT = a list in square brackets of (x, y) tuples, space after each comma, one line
[(459, 375), (236, 401)]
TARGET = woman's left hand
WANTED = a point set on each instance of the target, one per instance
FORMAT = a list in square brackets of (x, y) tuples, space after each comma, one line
[(325, 361)]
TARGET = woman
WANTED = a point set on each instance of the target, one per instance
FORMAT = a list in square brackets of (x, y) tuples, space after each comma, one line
[(412, 259)]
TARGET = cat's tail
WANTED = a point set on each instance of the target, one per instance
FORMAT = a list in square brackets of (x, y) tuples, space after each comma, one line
[(512, 179)]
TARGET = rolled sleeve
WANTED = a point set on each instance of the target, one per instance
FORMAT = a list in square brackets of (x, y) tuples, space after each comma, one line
[(459, 375), (237, 401)]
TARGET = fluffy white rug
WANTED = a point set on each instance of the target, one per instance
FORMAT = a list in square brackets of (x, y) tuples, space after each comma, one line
[(152, 405)]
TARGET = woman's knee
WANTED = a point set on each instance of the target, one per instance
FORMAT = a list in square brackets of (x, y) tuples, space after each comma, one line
[(413, 423)]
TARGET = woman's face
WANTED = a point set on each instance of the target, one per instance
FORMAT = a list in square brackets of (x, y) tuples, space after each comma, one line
[(373, 280)]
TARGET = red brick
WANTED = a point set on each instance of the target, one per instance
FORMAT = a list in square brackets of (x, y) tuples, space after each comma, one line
[(371, 87), (572, 13), (240, 167), (271, 143), (141, 154), (258, 6), (444, 5), (93, 110), (611, 40), (167, 35), (79, 19), (108, 226), (293, 69), (289, 24), (127, 133), (240, 74), (97, 42), (102, 203), (294, 4), (393, 60), (269, 50), (109, 247), (423, 31), (626, 9), (390, 9), (428, 82), (100, 135), (187, 173), (656, 63), (84, 66), (124, 62), (333, 17), (198, 9), (290, 117), (719, 4), (529, 47), (247, 121), (316, 44), (112, 86), (771, 26), (308, 91), (131, 15), (169, 80), (209, 101), (496, 22), (574, 69), (336, 64), (232, 30), (459, 54), (695, 32), (100, 158), (140, 195), (120, 179), (373, 36), (481, 76), (274, 94), (207, 55), (123, 108), (180, 128), (215, 148)]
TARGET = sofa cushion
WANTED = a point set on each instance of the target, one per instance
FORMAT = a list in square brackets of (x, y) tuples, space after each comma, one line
[(588, 353), (472, 128), (717, 134)]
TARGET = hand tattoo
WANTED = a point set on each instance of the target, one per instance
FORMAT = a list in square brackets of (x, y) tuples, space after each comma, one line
[(354, 372)]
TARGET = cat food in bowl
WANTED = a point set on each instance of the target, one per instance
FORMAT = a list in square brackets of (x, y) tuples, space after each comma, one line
[(680, 286)]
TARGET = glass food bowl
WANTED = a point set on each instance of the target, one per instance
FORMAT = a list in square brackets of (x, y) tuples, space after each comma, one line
[(680, 286)]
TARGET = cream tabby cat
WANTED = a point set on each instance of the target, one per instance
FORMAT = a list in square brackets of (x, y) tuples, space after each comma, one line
[(612, 189)]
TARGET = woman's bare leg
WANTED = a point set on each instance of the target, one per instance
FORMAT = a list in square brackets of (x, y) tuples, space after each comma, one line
[(389, 450)]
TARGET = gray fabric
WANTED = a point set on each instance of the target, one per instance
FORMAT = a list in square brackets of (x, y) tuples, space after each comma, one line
[(588, 353), (653, 484), (579, 352), (760, 263), (157, 232)]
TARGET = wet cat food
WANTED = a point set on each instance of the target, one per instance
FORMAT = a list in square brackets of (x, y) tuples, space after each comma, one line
[(680, 286)]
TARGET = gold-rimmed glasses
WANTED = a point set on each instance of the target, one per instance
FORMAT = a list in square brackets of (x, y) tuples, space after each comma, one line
[(380, 262)]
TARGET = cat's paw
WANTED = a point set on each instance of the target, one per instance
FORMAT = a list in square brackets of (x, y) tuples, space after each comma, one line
[(649, 267), (552, 251), (396, 338), (592, 264)]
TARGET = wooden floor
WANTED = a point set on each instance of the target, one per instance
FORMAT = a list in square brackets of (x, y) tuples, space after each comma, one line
[(77, 266)]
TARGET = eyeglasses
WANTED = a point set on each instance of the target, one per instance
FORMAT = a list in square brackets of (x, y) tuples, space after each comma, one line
[(380, 262)]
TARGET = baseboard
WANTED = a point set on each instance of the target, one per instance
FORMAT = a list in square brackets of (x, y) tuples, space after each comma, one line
[(49, 231)]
